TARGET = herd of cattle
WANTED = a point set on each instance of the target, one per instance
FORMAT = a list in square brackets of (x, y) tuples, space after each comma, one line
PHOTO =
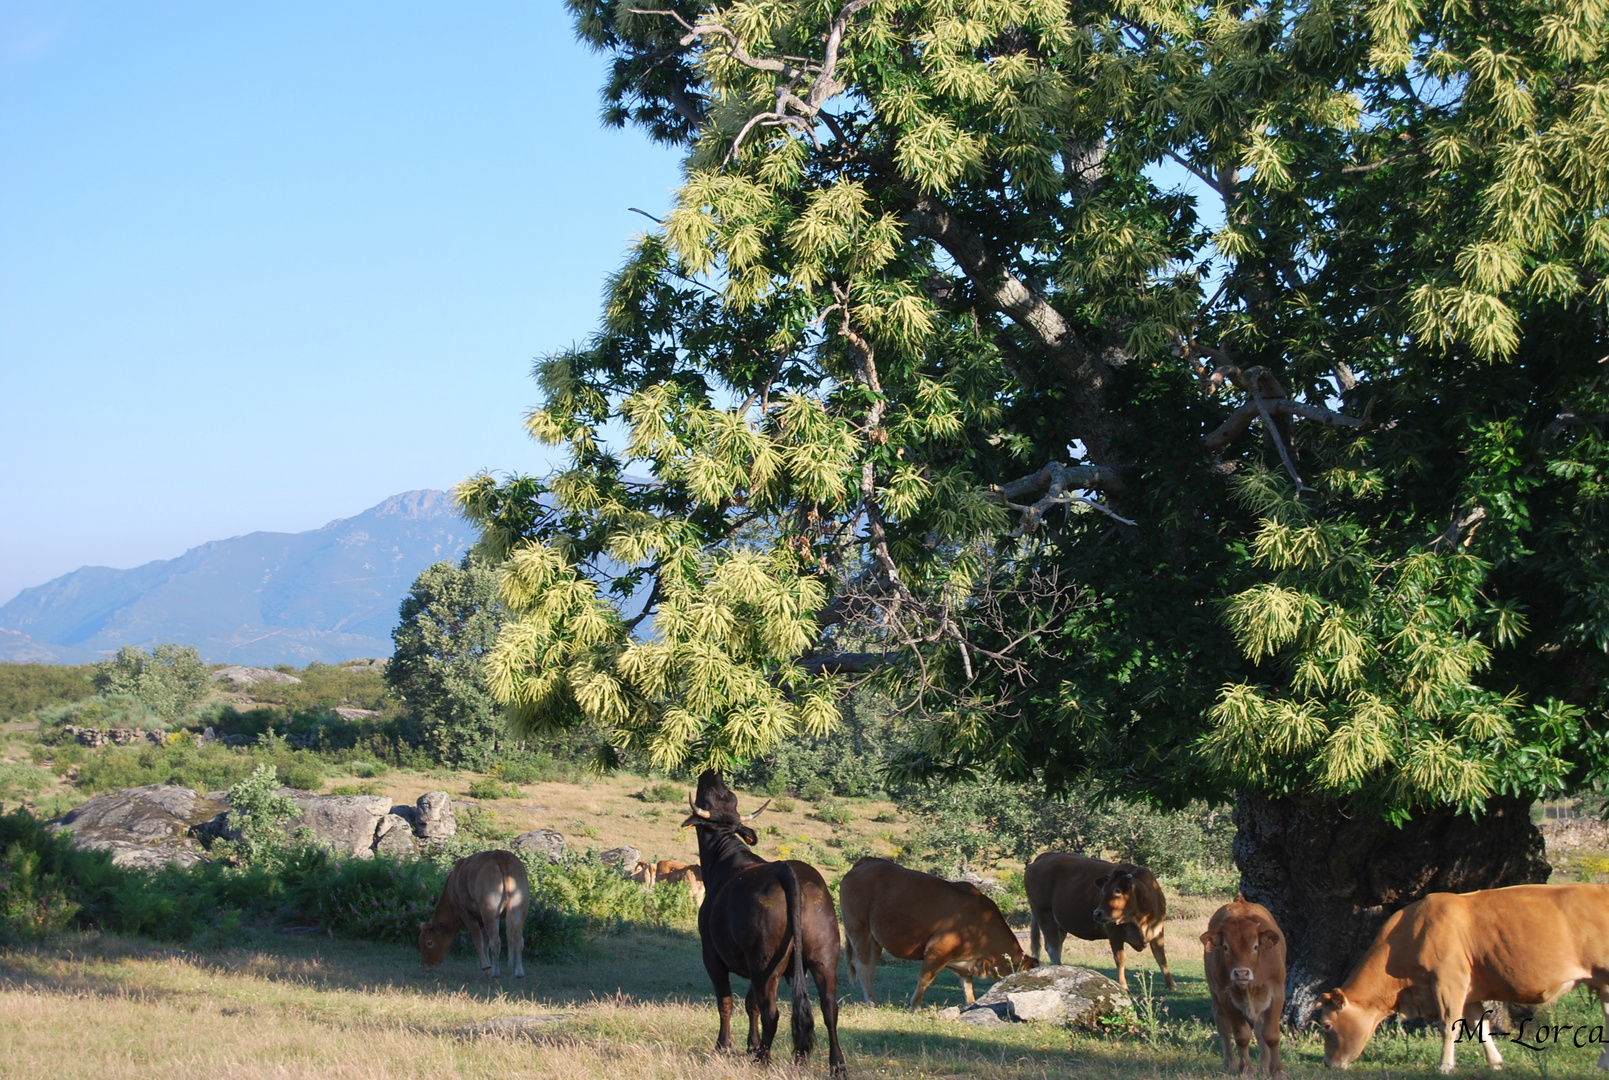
[(1439, 959)]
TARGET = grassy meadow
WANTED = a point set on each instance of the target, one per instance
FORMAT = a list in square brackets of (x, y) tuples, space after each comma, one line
[(636, 1004)]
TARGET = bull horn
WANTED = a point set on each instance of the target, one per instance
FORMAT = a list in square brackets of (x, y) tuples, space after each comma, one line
[(757, 813), (694, 805)]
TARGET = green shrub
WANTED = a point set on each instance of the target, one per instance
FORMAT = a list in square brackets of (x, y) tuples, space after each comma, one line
[(664, 792), (782, 806), (489, 787), (32, 902), (21, 781), (379, 899), (257, 819), (832, 812), (102, 711), (170, 680), (27, 687)]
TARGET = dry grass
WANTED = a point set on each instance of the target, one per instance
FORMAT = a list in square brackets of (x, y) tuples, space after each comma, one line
[(108, 1008)]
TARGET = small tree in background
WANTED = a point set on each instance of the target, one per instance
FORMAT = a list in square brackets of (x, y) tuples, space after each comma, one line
[(170, 680), (449, 618)]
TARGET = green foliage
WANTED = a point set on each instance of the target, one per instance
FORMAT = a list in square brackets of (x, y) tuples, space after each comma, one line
[(258, 817), (832, 811), (325, 686), (489, 787), (21, 781), (962, 824), (103, 711), (379, 899), (32, 901), (170, 680), (27, 687), (448, 621), (664, 792), (201, 768)]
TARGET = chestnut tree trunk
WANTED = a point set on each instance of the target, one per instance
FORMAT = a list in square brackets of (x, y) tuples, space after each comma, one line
[(1331, 877)]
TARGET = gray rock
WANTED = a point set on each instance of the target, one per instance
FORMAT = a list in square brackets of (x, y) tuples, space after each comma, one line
[(982, 884), (143, 827), (435, 816), (1086, 996), (548, 842), (623, 858), (242, 678), (394, 837), (346, 824), (1036, 1006), (981, 1015), (952, 1013)]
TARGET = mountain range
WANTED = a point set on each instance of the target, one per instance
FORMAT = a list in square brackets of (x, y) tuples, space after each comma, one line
[(266, 598)]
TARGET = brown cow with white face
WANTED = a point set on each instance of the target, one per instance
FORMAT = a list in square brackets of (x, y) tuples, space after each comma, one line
[(916, 916), (480, 889), (1244, 957), (1094, 899)]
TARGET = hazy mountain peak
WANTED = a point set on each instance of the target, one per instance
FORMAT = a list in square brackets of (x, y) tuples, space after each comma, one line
[(329, 594)]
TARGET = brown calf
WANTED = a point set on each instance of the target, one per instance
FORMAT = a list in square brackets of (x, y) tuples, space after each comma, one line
[(480, 889), (1094, 899), (669, 872), (916, 916), (1245, 962)]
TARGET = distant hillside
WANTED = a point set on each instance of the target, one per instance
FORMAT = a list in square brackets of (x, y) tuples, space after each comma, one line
[(266, 598)]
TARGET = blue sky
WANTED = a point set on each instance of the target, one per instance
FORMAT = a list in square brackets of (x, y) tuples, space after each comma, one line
[(263, 265)]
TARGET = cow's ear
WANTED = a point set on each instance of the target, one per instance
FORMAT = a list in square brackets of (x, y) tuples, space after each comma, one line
[(750, 837), (1208, 939), (1335, 997), (1269, 937), (1103, 879)]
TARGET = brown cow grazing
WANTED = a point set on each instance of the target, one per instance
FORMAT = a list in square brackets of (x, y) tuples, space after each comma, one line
[(480, 889), (1245, 961), (1094, 899), (671, 872), (643, 874), (763, 921), (916, 916), (1440, 957)]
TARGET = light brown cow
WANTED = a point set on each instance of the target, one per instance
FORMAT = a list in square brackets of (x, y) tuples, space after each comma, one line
[(916, 916), (670, 872), (1094, 899), (1244, 956), (480, 889), (1440, 957), (643, 874)]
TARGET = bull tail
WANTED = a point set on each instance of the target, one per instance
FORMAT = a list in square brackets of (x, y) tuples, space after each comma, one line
[(804, 1021)]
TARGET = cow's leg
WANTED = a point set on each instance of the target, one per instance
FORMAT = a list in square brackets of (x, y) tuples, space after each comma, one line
[(751, 1005), (1452, 997), (1226, 1035), (721, 979), (1160, 951), (769, 1014), (826, 980), (1033, 934), (1603, 1002), (1054, 936), (863, 957), (477, 931), (1476, 1020), (966, 988), (516, 934), (1115, 936), (1268, 1036), (488, 940), (933, 961)]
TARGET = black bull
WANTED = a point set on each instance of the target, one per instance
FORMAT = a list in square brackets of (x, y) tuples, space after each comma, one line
[(763, 921)]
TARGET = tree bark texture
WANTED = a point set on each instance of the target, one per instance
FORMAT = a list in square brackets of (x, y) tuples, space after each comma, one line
[(1331, 880)]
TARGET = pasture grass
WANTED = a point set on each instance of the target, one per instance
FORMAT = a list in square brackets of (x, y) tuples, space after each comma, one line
[(91, 1005)]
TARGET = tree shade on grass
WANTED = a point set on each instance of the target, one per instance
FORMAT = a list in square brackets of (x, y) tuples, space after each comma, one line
[(1284, 484)]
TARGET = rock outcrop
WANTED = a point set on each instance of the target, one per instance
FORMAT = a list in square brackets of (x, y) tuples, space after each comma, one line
[(153, 826), (622, 858), (146, 827), (548, 842), (1058, 994), (244, 678)]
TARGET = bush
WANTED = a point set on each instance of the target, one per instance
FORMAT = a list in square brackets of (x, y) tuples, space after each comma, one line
[(832, 812), (27, 687), (101, 711), (664, 792), (257, 819), (171, 680), (489, 787), (21, 781)]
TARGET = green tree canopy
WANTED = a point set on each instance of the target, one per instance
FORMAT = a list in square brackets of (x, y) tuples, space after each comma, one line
[(446, 623), (1119, 381), (170, 680)]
